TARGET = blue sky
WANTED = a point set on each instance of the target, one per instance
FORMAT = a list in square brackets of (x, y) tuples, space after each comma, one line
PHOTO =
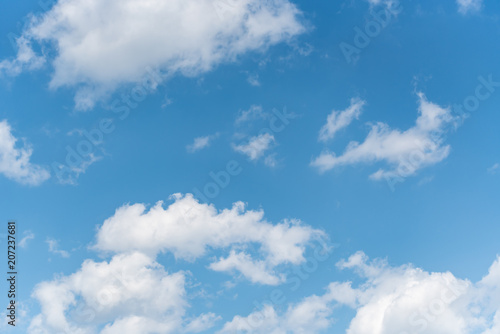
[(366, 180)]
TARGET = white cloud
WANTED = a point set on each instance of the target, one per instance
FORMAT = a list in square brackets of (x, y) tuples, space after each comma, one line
[(389, 300), (132, 293), (255, 112), (129, 294), (467, 6), (100, 46), (261, 145), (26, 59), (338, 120), (390, 4), (255, 271), (271, 160), (188, 229), (200, 143), (408, 299), (15, 162), (28, 235), (309, 316), (406, 152), (54, 248), (202, 323), (256, 146), (253, 79), (70, 174)]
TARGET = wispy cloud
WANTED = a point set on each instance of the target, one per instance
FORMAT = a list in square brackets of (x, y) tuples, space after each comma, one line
[(494, 169), (28, 235), (338, 120), (200, 143), (70, 174), (15, 161), (255, 112), (404, 151), (26, 59), (469, 6), (54, 248), (271, 160), (256, 146), (253, 79)]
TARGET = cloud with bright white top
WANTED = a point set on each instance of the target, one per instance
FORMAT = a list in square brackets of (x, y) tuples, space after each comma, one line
[(389, 300), (405, 152), (100, 46), (188, 229), (15, 161), (135, 294)]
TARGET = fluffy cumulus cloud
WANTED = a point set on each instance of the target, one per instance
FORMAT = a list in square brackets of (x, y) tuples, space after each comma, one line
[(15, 161), (338, 120), (404, 151), (389, 300), (309, 316), (189, 229), (469, 6), (133, 293), (102, 45), (129, 294)]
